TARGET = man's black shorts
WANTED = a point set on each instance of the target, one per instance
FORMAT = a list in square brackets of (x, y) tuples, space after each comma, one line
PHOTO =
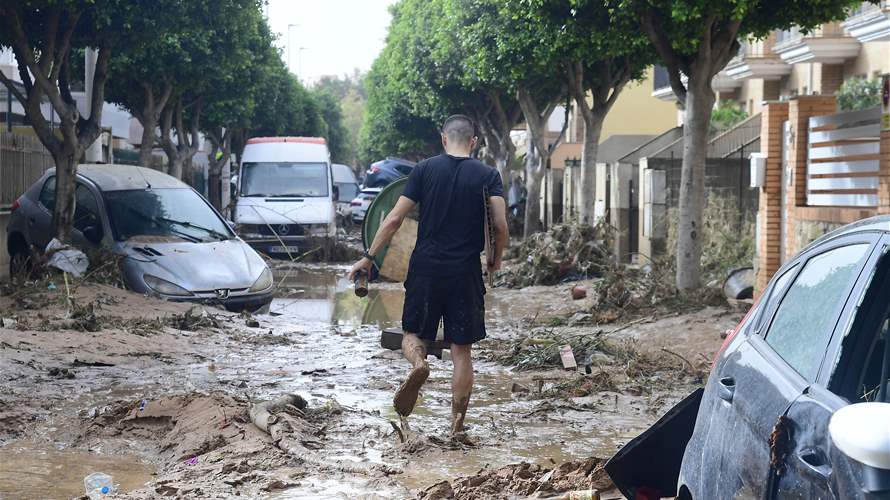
[(458, 299)]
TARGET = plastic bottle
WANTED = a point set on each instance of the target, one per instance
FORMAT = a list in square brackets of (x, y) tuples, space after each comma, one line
[(99, 486), (361, 283)]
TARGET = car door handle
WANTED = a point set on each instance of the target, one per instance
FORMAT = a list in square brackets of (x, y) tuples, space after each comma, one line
[(814, 464), (726, 389)]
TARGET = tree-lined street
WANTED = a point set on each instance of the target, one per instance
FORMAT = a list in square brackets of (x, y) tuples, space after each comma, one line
[(234, 272)]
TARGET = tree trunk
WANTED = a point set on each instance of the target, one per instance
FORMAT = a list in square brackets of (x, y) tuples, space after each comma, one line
[(699, 104), (175, 165), (501, 163), (593, 127), (149, 124), (534, 173), (63, 211)]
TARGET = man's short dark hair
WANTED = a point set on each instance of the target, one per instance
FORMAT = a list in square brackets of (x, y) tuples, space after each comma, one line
[(459, 129)]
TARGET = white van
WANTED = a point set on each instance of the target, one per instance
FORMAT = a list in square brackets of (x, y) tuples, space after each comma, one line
[(285, 202)]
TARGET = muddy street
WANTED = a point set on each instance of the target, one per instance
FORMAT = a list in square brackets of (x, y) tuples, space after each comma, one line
[(157, 394)]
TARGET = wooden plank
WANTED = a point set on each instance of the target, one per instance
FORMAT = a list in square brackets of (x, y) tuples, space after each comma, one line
[(398, 254)]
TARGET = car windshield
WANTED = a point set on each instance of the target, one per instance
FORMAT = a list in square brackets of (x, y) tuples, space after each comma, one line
[(284, 179), (176, 212)]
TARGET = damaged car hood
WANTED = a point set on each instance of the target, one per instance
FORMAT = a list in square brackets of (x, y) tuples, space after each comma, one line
[(230, 264)]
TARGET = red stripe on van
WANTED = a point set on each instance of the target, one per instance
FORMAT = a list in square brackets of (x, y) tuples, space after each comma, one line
[(304, 140)]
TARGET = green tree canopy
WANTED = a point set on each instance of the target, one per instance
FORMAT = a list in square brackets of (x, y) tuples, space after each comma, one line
[(694, 40), (43, 34)]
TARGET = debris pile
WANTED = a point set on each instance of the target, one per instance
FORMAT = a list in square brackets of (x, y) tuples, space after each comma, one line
[(604, 365), (727, 239), (627, 292), (524, 480), (565, 252)]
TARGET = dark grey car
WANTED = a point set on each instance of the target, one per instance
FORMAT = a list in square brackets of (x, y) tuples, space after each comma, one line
[(171, 242), (779, 417)]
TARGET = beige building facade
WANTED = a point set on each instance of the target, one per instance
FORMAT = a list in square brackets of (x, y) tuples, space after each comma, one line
[(790, 63)]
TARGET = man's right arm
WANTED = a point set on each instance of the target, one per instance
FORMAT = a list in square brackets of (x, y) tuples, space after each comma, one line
[(501, 235)]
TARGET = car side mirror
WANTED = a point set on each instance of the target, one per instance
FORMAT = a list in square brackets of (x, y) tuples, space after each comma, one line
[(93, 234), (859, 431)]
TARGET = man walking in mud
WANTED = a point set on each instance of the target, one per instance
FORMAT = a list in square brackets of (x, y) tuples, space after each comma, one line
[(444, 275)]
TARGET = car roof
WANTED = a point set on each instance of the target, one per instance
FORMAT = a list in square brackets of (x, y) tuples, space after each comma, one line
[(110, 177), (879, 223)]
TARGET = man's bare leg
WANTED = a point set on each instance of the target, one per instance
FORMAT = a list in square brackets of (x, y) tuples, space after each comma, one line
[(414, 350), (461, 386)]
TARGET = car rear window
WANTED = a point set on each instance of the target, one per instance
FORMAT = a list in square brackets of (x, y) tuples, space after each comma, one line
[(808, 312)]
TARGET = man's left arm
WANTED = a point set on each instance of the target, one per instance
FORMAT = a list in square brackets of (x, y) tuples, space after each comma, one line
[(391, 224)]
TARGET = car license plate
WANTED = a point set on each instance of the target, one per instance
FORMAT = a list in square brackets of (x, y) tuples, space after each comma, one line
[(291, 249)]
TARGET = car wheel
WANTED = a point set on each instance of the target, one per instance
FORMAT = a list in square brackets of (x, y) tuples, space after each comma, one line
[(20, 265)]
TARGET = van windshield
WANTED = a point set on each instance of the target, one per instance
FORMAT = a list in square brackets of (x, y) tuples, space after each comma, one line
[(284, 179)]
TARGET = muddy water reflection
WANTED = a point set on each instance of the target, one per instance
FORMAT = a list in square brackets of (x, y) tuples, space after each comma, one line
[(324, 295), (31, 470), (338, 356)]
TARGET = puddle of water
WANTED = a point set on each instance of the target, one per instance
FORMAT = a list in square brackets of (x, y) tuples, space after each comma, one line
[(37, 471), (320, 304)]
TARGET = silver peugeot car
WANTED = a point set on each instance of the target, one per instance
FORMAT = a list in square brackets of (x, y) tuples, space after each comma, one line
[(172, 243)]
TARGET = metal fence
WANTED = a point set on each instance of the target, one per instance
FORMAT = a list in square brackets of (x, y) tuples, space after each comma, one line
[(844, 159), (23, 159)]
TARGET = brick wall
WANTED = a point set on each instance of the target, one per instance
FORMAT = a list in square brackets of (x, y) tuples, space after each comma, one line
[(884, 176), (770, 203), (802, 223), (800, 109)]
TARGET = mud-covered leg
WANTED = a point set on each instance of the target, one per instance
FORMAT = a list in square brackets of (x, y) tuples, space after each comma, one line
[(414, 350), (461, 386)]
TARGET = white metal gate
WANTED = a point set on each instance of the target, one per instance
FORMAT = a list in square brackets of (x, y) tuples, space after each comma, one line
[(844, 159)]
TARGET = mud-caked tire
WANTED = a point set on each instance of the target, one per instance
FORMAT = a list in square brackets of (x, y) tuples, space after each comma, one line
[(21, 265)]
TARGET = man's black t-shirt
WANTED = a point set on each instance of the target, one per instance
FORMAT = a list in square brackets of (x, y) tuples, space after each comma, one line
[(449, 191)]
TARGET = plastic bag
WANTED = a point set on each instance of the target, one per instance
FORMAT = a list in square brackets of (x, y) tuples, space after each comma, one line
[(67, 259)]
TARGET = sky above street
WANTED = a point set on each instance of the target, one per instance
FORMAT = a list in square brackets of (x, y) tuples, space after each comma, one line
[(337, 35)]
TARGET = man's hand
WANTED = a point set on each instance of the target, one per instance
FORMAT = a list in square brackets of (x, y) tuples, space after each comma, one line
[(493, 266), (364, 264)]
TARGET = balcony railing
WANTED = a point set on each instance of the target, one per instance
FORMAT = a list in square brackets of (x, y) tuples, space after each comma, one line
[(868, 8)]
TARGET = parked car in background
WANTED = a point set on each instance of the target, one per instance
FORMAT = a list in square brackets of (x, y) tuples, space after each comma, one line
[(797, 403), (285, 201), (171, 241), (382, 172), (361, 203), (347, 187)]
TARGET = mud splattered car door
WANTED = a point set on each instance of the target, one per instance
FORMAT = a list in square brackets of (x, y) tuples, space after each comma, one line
[(761, 380), (851, 373)]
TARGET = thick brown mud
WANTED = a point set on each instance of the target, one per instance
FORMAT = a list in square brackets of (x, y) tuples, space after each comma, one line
[(162, 407)]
